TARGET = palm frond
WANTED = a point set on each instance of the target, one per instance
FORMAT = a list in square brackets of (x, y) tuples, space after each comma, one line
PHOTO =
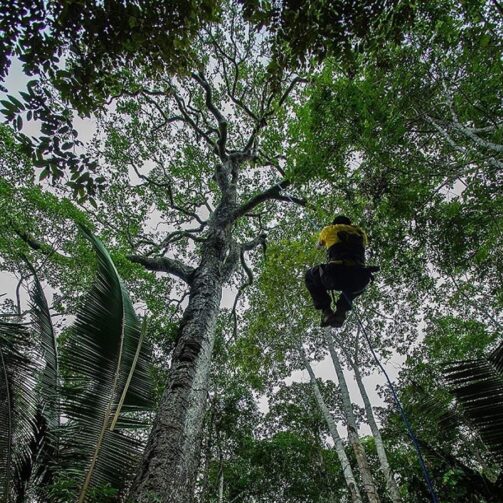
[(39, 464), (18, 404), (106, 366), (49, 375), (478, 386)]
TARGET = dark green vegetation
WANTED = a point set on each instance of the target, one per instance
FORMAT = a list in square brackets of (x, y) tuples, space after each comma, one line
[(69, 417), (224, 134)]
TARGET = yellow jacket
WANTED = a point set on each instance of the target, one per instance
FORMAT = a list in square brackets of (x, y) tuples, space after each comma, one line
[(329, 235)]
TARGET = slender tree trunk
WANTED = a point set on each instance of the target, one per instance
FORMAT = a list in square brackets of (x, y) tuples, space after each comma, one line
[(170, 461), (381, 453), (354, 439), (221, 485), (207, 459), (339, 446)]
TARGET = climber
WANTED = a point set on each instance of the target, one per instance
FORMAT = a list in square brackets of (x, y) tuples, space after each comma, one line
[(344, 271)]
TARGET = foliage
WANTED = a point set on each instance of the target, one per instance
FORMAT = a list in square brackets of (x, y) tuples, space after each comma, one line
[(454, 451), (68, 431), (478, 386), (99, 40), (395, 121), (316, 28), (84, 55), (17, 404)]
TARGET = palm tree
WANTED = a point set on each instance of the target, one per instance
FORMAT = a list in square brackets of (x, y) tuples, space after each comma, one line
[(478, 387), (71, 418)]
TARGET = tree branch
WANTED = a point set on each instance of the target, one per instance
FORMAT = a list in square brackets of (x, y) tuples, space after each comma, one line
[(231, 89), (188, 119), (187, 233), (222, 122), (35, 244), (285, 95), (251, 245), (164, 264), (246, 284), (273, 192)]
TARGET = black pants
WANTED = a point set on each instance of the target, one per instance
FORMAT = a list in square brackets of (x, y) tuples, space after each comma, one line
[(351, 280)]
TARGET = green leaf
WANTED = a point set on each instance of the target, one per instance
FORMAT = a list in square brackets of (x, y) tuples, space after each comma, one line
[(16, 102), (478, 386), (108, 362), (18, 402), (44, 174)]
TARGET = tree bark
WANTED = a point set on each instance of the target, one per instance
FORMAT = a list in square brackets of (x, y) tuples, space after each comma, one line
[(391, 484), (169, 466), (221, 485), (354, 439), (207, 459), (339, 446)]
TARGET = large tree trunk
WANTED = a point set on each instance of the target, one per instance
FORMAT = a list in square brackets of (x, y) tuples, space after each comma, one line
[(354, 439), (381, 452), (169, 466), (339, 446)]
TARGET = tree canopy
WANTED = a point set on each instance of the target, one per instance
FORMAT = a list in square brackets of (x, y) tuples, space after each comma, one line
[(158, 342)]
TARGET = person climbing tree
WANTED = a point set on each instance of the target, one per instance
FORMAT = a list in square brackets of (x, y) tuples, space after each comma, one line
[(344, 271)]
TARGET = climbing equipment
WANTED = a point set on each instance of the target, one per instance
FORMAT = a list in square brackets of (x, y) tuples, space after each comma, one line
[(345, 262)]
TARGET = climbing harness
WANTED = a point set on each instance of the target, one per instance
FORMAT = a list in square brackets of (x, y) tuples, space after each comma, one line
[(403, 415), (345, 262)]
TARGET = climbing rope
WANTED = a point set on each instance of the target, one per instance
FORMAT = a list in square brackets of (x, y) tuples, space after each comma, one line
[(398, 404), (403, 414)]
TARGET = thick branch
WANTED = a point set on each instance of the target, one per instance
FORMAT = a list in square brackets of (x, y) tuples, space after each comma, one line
[(273, 192), (494, 162), (222, 122), (164, 264), (35, 244)]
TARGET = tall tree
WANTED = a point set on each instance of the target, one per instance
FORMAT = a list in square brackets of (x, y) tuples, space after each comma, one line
[(339, 446), (354, 440), (352, 350)]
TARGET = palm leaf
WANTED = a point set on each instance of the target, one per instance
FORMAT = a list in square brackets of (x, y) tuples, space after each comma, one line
[(18, 404), (49, 376), (107, 368), (37, 469), (478, 386)]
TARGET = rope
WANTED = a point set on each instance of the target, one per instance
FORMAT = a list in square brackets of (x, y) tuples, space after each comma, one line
[(398, 404), (403, 414)]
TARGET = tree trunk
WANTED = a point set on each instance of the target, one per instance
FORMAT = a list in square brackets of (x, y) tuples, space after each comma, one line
[(381, 453), (354, 439), (207, 459), (339, 446), (221, 485), (169, 467), (168, 471)]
